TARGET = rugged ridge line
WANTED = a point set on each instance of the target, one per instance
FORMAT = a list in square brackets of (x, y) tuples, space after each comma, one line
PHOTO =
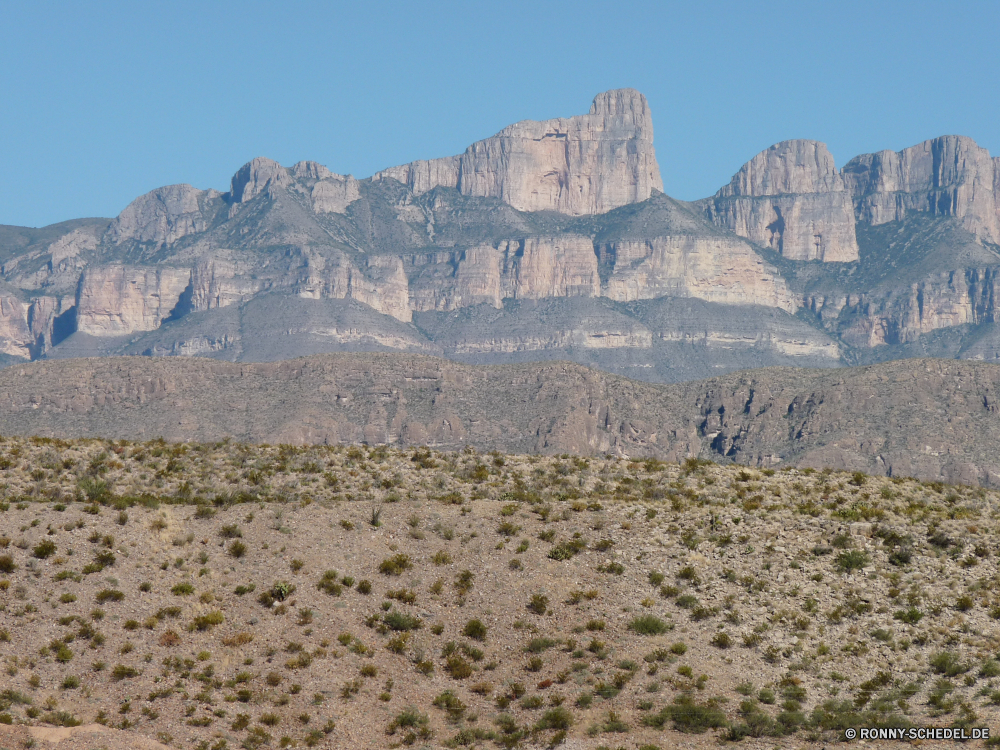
[(933, 419)]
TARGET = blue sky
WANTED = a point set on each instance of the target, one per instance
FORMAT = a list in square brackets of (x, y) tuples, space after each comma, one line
[(103, 101)]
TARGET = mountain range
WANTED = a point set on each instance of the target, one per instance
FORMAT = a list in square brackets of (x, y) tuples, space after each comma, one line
[(549, 240)]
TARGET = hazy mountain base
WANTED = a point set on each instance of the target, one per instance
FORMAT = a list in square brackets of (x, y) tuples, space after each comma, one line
[(934, 419), (223, 595)]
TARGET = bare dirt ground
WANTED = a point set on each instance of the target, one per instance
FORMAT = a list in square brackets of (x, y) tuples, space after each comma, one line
[(226, 595)]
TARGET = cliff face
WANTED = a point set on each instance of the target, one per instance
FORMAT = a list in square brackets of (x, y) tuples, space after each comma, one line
[(948, 176), (792, 199), (500, 250), (581, 165), (115, 300)]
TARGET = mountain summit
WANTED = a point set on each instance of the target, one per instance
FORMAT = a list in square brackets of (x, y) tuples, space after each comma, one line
[(548, 240)]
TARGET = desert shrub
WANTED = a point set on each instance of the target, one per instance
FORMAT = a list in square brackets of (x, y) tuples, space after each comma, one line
[(688, 715), (910, 616), (441, 558), (475, 629), (182, 589), (567, 549), (280, 591), (109, 595), (648, 625), (457, 667), (401, 621), (722, 640), (7, 564), (395, 565), (948, 663), (44, 549), (236, 549), (538, 645), (413, 720), (123, 672), (450, 703), (207, 621), (328, 584), (538, 604), (849, 560)]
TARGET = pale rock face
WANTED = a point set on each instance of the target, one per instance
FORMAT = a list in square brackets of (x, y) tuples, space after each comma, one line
[(588, 164), (898, 317), (311, 170), (216, 283), (255, 176), (792, 199), (42, 314), (382, 284), (583, 337), (948, 176), (539, 267), (15, 335), (446, 281), (716, 270), (333, 194), (424, 175), (117, 300), (73, 243), (161, 216)]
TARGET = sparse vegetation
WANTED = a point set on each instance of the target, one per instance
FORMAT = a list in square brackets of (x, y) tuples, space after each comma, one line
[(661, 639)]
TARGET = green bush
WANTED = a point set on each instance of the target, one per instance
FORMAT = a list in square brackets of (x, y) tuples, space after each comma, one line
[(475, 629), (207, 621), (849, 560), (910, 616), (649, 625), (123, 672), (948, 663), (538, 604), (395, 565), (401, 621), (45, 548), (688, 715)]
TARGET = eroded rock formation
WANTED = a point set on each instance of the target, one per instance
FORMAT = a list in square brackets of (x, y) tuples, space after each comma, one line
[(588, 164), (792, 199), (947, 176)]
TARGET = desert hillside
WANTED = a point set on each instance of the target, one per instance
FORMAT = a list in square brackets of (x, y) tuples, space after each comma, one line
[(224, 595), (936, 420)]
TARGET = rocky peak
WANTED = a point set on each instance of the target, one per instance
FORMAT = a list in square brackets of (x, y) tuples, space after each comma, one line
[(791, 198), (255, 176), (310, 170), (588, 164), (951, 176), (797, 166), (161, 216)]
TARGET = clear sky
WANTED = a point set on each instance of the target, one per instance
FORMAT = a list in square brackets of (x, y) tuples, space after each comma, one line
[(103, 101)]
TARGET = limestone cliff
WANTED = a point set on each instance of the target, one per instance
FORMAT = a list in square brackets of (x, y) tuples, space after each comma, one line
[(947, 176), (15, 337), (714, 269), (117, 300), (588, 164), (902, 315), (792, 199)]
